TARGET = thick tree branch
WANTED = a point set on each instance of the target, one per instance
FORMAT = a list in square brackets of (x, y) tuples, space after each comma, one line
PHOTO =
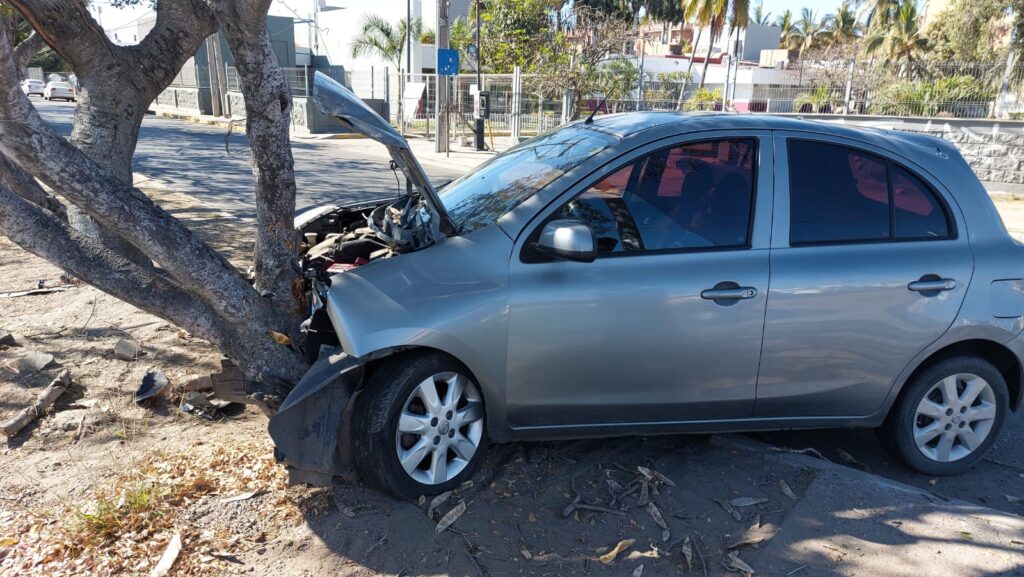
[(26, 187), (181, 26), (67, 26), (268, 117), (83, 257), (26, 49)]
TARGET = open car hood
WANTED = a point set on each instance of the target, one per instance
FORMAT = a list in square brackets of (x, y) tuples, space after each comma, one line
[(334, 99)]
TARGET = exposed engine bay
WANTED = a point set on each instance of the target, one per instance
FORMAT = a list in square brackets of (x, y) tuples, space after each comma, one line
[(346, 237)]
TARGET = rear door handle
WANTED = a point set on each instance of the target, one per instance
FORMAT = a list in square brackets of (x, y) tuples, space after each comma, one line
[(732, 294), (941, 284)]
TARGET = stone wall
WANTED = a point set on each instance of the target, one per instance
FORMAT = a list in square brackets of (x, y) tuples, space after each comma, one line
[(183, 99), (994, 156)]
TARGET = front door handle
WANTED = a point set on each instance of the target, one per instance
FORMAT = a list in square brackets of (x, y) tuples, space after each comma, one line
[(932, 285), (732, 294)]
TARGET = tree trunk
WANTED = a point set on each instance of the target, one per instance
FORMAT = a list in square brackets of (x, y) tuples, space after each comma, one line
[(268, 108), (106, 128), (689, 70), (707, 59)]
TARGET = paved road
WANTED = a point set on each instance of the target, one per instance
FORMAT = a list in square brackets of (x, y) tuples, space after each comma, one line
[(193, 159), (204, 161)]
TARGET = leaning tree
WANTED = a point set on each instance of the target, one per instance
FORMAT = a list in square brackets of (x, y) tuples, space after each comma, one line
[(116, 238)]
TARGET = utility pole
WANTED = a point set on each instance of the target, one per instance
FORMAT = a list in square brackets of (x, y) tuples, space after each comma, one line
[(479, 83), (441, 107), (214, 63)]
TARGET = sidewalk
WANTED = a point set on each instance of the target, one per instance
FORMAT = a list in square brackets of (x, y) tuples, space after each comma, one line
[(848, 522)]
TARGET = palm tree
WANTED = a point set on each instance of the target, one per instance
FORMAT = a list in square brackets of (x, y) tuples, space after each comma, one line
[(785, 22), (844, 26), (759, 16), (378, 37), (690, 14), (879, 13), (903, 41), (715, 14), (809, 31)]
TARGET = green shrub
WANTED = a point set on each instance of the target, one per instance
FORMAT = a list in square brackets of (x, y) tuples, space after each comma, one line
[(950, 96), (704, 99), (818, 100)]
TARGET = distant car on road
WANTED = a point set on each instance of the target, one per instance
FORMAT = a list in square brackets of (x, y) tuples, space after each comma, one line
[(62, 90), (32, 86), (657, 273)]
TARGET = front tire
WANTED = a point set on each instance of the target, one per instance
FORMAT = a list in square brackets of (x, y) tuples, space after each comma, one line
[(949, 416), (419, 426)]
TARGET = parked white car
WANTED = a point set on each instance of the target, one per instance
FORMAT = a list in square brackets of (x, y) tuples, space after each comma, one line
[(32, 86), (59, 90)]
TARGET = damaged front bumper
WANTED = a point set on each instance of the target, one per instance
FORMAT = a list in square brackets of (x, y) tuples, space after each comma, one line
[(310, 430)]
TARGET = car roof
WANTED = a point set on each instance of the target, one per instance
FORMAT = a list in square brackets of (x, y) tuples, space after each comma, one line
[(641, 124)]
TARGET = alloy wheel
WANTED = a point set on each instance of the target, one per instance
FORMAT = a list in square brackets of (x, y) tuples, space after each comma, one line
[(955, 417), (440, 428)]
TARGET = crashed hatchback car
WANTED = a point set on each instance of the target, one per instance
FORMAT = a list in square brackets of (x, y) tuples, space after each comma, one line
[(656, 273)]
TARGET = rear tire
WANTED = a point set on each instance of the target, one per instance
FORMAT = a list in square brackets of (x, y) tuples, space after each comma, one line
[(443, 436), (949, 415)]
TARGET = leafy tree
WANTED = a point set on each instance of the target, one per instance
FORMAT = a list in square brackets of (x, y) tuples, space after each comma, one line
[(617, 79), (49, 61), (715, 14), (380, 38), (818, 100), (786, 22), (969, 31), (759, 16), (704, 99), (513, 31), (844, 27), (809, 31), (902, 41)]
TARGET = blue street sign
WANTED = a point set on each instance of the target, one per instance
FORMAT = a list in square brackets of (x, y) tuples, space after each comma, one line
[(447, 62)]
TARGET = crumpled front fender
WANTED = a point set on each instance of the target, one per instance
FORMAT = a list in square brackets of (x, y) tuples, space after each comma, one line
[(308, 428)]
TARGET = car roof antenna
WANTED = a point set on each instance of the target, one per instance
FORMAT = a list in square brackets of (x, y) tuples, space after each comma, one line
[(590, 119)]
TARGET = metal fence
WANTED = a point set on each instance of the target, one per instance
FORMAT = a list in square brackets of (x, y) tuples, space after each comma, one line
[(943, 90), (298, 78)]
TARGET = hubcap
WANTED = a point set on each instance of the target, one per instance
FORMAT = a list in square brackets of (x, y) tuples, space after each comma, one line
[(955, 417), (440, 428)]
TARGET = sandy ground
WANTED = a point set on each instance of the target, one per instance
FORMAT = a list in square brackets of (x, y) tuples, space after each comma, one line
[(101, 486)]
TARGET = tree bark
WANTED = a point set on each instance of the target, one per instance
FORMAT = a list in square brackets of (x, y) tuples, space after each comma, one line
[(50, 394), (689, 70), (268, 107), (25, 186), (25, 50), (707, 59)]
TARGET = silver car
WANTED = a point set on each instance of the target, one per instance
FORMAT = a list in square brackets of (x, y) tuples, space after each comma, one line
[(655, 273)]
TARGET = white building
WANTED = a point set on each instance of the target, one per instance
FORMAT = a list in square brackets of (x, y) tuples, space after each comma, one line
[(341, 21)]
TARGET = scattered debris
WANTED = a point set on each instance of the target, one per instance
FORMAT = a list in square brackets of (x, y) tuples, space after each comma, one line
[(784, 487), (746, 501), (163, 567), (35, 291), (655, 477), (729, 509), (34, 361), (688, 553), (350, 511), (660, 521), (437, 502), (753, 536), (127, 350), (808, 451), (46, 398), (1012, 499), (639, 571), (203, 383), (849, 459), (797, 570), (280, 338), (152, 384), (7, 339), (610, 556), (243, 496), (197, 405), (732, 562), (450, 517)]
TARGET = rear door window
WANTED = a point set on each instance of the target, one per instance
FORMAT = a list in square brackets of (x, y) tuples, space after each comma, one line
[(840, 194)]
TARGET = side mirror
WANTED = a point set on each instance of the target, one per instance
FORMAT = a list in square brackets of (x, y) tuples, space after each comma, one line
[(567, 240)]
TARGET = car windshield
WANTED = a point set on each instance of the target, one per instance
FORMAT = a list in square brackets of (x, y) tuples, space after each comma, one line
[(504, 182)]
